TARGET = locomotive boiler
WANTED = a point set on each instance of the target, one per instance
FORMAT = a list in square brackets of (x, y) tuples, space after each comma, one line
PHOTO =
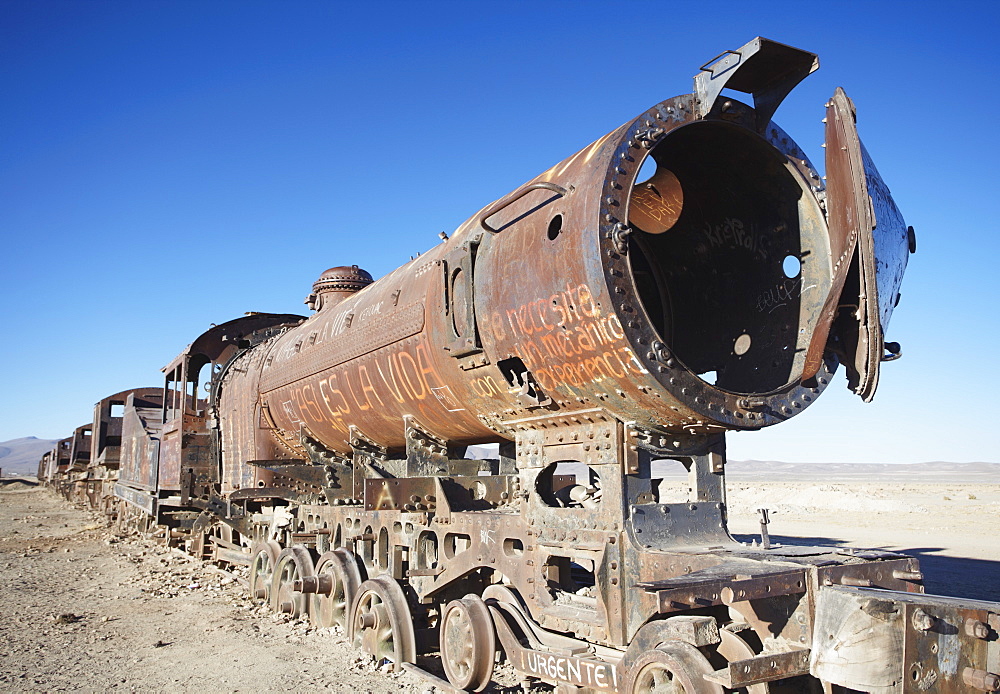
[(687, 274)]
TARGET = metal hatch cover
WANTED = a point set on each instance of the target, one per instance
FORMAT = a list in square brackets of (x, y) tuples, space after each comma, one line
[(869, 245)]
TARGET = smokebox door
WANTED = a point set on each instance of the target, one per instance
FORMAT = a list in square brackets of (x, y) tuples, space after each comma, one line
[(869, 245)]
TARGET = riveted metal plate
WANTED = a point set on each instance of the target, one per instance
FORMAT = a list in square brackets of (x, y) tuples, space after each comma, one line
[(351, 344)]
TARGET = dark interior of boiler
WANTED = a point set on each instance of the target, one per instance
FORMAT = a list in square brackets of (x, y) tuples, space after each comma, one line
[(717, 255)]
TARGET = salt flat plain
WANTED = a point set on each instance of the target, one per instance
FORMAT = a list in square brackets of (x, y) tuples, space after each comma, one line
[(945, 514)]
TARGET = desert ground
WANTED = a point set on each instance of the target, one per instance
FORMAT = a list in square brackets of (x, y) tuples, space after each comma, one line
[(85, 609), (952, 527)]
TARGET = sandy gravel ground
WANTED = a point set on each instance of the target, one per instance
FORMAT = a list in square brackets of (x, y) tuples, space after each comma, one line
[(84, 609)]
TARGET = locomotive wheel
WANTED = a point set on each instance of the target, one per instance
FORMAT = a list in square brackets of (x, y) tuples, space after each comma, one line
[(333, 607), (265, 555), (674, 667), (294, 564), (381, 624), (468, 643)]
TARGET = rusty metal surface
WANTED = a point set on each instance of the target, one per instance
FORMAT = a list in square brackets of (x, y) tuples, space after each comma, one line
[(613, 316), (59, 462), (109, 430), (564, 665), (141, 425), (946, 645), (186, 443), (448, 340), (766, 69), (79, 453), (870, 245), (766, 667)]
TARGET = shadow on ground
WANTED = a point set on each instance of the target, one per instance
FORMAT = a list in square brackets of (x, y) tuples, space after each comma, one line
[(960, 577)]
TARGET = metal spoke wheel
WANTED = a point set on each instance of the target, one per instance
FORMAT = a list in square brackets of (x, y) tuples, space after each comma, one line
[(264, 555), (337, 580), (468, 643), (294, 564), (674, 667), (381, 624)]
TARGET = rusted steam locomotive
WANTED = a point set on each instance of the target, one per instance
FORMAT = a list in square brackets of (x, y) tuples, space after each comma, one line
[(685, 275)]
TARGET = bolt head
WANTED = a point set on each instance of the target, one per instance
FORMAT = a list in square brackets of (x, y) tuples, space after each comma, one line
[(922, 621)]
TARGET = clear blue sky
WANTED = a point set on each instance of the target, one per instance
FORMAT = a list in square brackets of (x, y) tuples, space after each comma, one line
[(168, 165)]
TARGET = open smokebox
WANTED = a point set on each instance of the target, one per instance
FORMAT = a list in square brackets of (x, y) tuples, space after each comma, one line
[(730, 256)]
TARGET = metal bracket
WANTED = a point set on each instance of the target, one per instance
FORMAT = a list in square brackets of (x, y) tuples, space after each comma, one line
[(766, 69), (366, 454), (766, 667), (691, 591), (318, 453), (460, 305), (365, 449), (892, 351), (514, 197), (426, 454)]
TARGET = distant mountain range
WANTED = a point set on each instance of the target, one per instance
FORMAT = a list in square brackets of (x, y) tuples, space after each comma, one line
[(937, 471), (21, 456)]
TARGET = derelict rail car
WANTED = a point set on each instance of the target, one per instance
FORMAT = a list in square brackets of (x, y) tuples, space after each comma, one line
[(687, 274)]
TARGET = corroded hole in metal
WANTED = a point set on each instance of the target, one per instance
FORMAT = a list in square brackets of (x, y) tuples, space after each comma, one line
[(455, 544), (721, 257), (555, 227), (427, 550), (516, 373), (367, 548), (669, 482), (570, 579), (569, 484), (513, 547), (383, 549), (791, 266)]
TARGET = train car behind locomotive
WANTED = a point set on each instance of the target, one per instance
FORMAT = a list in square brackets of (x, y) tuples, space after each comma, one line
[(688, 274)]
